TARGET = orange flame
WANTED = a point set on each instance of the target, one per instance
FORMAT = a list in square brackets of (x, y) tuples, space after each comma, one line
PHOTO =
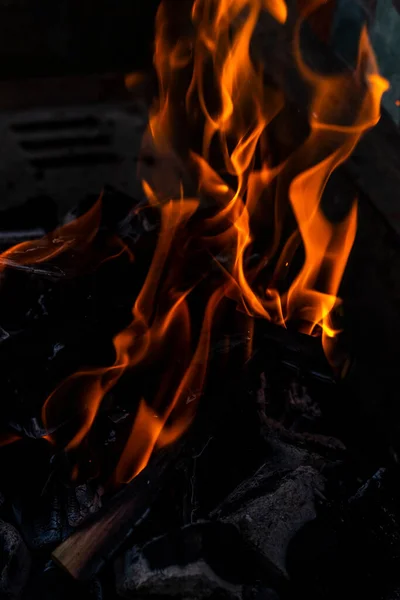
[(344, 106), (132, 80), (135, 344), (74, 236), (8, 438), (208, 80), (151, 429)]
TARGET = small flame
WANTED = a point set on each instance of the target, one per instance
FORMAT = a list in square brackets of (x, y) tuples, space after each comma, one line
[(75, 236), (8, 438), (132, 80)]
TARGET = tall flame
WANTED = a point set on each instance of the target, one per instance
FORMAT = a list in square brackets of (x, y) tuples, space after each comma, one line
[(208, 80), (344, 106)]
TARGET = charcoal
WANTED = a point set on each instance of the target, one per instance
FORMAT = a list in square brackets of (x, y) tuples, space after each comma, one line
[(283, 459), (304, 409), (10, 238), (3, 334), (203, 560), (83, 501), (270, 519), (393, 594), (194, 581), (373, 523), (32, 428), (367, 488), (14, 562), (55, 506), (42, 520), (352, 546), (53, 583), (289, 413), (260, 592)]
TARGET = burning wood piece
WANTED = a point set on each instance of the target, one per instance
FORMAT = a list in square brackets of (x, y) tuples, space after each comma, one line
[(15, 562), (270, 513), (299, 353), (85, 552), (196, 562), (295, 419)]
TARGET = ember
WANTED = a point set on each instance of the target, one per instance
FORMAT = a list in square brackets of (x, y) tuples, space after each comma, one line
[(177, 365)]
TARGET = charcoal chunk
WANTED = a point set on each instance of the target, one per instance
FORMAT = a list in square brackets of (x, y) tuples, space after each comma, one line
[(83, 501), (42, 521), (268, 521), (14, 562), (198, 561), (260, 592), (353, 545), (195, 581)]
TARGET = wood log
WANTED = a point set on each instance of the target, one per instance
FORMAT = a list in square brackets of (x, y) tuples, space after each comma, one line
[(83, 554)]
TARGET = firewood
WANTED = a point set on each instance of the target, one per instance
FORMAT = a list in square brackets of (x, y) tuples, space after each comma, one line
[(83, 554)]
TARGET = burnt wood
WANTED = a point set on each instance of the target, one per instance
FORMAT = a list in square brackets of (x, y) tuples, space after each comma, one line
[(84, 553)]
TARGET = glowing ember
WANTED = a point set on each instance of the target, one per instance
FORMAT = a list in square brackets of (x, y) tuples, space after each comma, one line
[(208, 80)]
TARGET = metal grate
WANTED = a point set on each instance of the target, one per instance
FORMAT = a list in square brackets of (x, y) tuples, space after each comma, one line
[(69, 153)]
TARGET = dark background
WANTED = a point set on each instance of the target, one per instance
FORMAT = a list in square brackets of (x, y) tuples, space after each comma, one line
[(62, 37)]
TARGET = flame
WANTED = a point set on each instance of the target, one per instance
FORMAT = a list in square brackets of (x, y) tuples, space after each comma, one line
[(150, 428), (75, 236), (140, 341), (208, 81), (132, 80), (8, 438), (344, 106)]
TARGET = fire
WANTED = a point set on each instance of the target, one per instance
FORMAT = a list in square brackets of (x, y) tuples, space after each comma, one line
[(344, 106), (143, 338), (74, 237), (209, 81)]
